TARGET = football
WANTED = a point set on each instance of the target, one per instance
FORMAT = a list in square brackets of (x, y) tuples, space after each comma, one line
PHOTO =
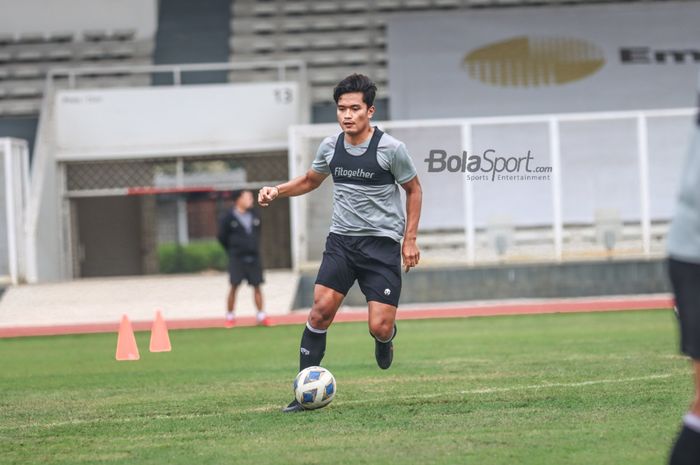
[(314, 387)]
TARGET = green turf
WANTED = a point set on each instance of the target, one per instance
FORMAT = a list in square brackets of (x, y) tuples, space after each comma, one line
[(460, 391)]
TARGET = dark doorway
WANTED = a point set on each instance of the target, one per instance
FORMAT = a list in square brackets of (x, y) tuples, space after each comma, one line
[(109, 236)]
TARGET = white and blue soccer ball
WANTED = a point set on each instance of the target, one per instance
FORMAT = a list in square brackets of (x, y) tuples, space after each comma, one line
[(314, 387)]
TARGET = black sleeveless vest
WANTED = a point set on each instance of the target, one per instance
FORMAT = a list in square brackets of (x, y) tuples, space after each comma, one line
[(360, 169)]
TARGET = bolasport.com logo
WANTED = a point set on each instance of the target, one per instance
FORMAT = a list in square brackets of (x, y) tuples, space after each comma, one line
[(488, 166)]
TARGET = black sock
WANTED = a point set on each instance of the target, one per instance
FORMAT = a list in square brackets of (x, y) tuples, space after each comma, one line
[(313, 346), (686, 450)]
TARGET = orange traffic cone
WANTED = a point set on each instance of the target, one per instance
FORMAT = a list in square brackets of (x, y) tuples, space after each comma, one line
[(160, 341), (126, 343)]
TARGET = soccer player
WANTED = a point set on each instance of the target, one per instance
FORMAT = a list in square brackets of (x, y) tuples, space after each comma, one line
[(368, 223), (239, 234), (684, 269)]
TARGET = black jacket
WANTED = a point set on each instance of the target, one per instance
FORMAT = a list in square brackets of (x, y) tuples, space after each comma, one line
[(234, 238)]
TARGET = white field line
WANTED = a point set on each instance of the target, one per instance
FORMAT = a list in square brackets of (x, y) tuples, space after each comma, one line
[(570, 385), (531, 387), (274, 408)]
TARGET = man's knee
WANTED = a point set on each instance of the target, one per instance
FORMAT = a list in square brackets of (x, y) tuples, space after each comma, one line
[(322, 312), (382, 329)]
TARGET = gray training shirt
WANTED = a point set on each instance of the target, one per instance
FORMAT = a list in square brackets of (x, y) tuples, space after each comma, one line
[(368, 210), (684, 235)]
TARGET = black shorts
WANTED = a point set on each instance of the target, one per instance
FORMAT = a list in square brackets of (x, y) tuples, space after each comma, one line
[(685, 279), (248, 267), (374, 261)]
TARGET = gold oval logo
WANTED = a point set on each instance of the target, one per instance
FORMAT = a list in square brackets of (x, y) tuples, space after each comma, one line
[(534, 62)]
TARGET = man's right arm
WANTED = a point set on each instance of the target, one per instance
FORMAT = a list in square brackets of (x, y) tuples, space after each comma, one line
[(297, 186)]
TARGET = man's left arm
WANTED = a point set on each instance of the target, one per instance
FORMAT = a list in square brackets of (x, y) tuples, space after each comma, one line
[(414, 200)]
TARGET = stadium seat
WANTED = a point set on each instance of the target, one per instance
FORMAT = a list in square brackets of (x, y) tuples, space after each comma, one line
[(387, 5), (323, 77), (242, 10), (26, 72), (380, 57), (417, 4), (24, 92), (478, 3), (295, 44), (6, 39), (120, 53), (264, 27), (354, 6), (31, 38), (95, 35), (324, 43), (264, 10), (326, 24), (29, 56), (324, 7), (5, 57), (295, 26), (379, 40), (323, 59), (4, 74), (355, 58), (123, 35), (295, 9), (21, 107), (447, 3), (59, 54), (264, 47), (358, 23), (356, 41), (61, 37), (92, 54)]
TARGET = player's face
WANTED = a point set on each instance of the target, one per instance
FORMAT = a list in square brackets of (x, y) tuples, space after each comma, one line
[(245, 201), (353, 113)]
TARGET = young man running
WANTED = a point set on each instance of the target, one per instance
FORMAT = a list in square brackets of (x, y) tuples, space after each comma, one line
[(368, 223)]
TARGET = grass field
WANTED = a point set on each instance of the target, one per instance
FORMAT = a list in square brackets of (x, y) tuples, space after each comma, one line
[(546, 389)]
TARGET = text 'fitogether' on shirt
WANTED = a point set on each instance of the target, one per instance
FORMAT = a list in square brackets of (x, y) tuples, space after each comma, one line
[(366, 196)]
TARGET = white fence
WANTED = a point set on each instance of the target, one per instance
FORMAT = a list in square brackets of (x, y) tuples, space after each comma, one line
[(627, 162)]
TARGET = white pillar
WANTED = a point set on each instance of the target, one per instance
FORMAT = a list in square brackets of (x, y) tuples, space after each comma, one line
[(469, 227), (555, 159), (183, 236), (643, 155)]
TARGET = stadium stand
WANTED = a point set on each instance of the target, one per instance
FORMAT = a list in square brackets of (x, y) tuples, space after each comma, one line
[(315, 33), (25, 60), (335, 38)]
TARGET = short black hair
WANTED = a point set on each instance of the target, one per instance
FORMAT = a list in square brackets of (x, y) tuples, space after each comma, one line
[(237, 193), (356, 83)]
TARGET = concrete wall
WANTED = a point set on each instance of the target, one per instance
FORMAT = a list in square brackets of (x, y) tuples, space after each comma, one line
[(454, 284)]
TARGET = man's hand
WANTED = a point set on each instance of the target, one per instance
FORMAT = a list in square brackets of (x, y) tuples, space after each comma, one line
[(266, 195), (411, 254)]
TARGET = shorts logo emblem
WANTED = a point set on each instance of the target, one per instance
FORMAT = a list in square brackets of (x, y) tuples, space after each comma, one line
[(387, 291)]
